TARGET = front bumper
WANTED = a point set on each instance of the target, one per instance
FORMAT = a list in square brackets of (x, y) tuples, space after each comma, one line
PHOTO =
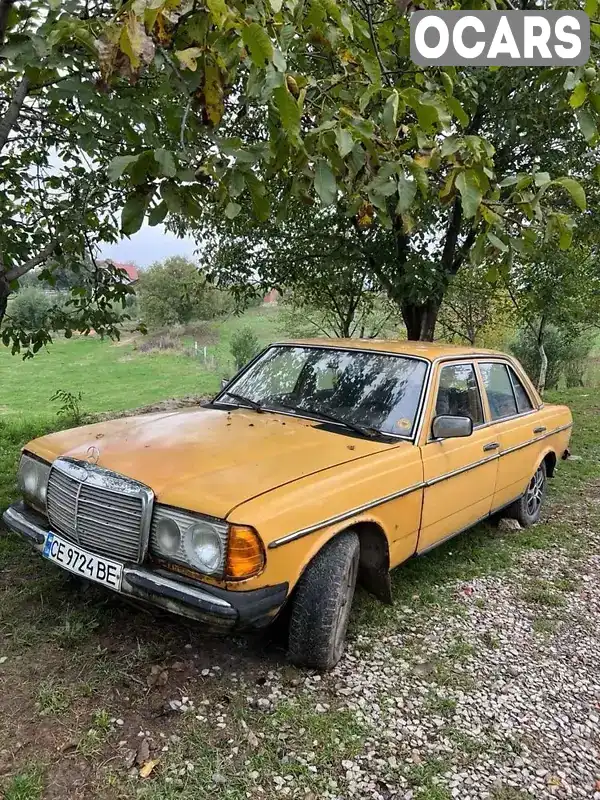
[(218, 608)]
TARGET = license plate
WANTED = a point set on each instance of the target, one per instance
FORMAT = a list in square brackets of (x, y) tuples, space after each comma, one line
[(88, 565)]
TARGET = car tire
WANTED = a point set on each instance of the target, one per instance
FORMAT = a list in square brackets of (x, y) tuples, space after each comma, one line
[(321, 604), (527, 509)]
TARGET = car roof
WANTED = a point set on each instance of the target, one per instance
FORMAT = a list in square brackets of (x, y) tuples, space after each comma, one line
[(427, 350)]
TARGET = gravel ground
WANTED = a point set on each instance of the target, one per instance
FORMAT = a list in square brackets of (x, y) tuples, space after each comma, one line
[(494, 694)]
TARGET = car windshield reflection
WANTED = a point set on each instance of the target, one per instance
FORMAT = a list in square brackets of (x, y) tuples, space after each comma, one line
[(357, 387)]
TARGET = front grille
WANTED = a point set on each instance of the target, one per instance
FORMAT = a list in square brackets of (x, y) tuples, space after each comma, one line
[(98, 509)]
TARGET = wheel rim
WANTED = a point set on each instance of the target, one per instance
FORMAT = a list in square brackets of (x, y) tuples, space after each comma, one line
[(343, 614), (535, 492)]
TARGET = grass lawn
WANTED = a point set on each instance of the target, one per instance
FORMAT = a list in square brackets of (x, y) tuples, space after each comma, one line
[(116, 376)]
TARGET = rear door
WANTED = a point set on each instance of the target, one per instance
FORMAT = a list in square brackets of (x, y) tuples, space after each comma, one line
[(459, 474), (516, 425)]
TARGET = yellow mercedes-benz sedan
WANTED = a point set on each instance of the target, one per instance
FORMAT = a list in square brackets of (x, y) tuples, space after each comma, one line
[(322, 463)]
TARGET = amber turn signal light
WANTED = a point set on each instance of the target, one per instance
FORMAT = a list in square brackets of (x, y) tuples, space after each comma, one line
[(245, 553)]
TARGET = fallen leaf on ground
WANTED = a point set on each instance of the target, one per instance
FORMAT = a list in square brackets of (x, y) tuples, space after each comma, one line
[(148, 767)]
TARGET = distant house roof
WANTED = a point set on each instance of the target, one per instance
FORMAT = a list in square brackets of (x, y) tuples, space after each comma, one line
[(129, 268)]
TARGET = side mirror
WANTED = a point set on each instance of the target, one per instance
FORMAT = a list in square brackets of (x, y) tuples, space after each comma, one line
[(224, 382), (448, 427)]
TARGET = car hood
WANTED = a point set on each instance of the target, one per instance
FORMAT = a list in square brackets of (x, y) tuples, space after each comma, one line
[(206, 459)]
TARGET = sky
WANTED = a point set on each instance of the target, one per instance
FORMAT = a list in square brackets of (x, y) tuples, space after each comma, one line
[(148, 245)]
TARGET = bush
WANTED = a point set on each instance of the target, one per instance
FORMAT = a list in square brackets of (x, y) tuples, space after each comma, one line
[(567, 355), (244, 346), (30, 307), (174, 292)]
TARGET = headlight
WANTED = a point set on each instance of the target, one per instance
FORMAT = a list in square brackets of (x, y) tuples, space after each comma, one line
[(189, 539), (207, 545), (168, 536), (203, 547), (33, 481)]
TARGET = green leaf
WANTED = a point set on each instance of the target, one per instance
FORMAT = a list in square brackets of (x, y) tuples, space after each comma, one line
[(447, 83), (390, 114), (498, 243), (458, 111), (510, 180), (325, 185), (219, 11), (470, 193), (407, 191), (232, 210), (346, 23), (289, 111), (118, 166), (258, 43), (596, 172), (165, 160), (541, 178), (158, 214), (237, 184), (575, 189), (367, 96), (260, 201), (451, 144), (171, 196), (591, 8), (134, 212), (344, 140), (276, 6), (587, 124), (565, 238), (579, 95)]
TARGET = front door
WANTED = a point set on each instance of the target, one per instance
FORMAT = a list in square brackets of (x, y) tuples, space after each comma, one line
[(459, 474)]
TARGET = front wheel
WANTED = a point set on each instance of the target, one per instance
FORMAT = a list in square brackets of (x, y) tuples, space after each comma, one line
[(321, 604), (527, 509)]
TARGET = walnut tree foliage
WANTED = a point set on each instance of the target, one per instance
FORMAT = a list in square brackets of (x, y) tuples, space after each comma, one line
[(164, 109)]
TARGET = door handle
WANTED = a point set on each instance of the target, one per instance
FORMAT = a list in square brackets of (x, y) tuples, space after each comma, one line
[(541, 429), (491, 446)]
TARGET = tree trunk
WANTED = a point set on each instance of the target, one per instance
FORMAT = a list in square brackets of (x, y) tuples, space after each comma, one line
[(541, 383), (4, 292), (420, 319)]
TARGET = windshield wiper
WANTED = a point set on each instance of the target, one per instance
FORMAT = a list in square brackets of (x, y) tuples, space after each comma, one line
[(247, 401), (364, 430)]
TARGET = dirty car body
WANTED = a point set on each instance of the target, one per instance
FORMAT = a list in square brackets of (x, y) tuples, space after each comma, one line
[(321, 463)]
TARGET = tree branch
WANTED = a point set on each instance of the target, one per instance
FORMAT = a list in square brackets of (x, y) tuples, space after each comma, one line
[(14, 109), (17, 272)]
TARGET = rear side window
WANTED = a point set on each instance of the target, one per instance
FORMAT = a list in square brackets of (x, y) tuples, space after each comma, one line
[(458, 393), (499, 390), (523, 401)]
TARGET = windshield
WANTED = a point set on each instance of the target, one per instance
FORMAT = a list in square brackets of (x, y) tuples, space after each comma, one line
[(356, 386)]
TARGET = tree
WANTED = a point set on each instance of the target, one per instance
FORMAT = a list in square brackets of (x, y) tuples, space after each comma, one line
[(202, 105), (174, 292), (324, 98), (417, 258), (473, 305), (312, 259), (59, 134), (556, 288)]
